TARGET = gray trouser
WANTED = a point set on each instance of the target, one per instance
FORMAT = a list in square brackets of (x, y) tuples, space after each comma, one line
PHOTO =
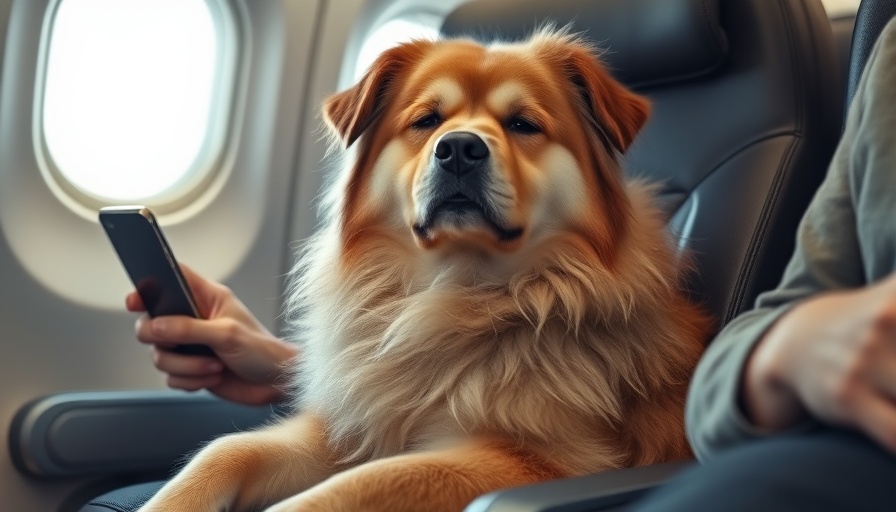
[(822, 470)]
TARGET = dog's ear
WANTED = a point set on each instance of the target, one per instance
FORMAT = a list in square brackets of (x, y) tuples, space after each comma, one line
[(352, 111), (616, 113)]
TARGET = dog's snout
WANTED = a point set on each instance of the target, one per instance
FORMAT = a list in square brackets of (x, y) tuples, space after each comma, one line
[(460, 152)]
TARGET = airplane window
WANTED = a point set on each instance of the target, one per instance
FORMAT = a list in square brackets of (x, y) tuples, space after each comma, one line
[(131, 97), (392, 33), (840, 7)]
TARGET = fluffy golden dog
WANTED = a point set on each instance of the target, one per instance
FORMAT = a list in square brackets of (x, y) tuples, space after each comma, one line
[(488, 303)]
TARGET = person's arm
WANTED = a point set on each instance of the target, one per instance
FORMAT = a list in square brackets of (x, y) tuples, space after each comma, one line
[(715, 415), (250, 366), (766, 371)]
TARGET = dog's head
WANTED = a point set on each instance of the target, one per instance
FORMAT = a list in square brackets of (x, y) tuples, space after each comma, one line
[(462, 145)]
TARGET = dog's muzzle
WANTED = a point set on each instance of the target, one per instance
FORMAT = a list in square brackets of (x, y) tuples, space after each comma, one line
[(459, 169), (457, 190), (462, 154)]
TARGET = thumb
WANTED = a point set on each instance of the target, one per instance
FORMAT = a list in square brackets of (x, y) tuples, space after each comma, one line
[(207, 293)]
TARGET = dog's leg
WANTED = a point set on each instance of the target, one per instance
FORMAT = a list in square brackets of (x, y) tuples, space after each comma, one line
[(249, 469), (444, 480)]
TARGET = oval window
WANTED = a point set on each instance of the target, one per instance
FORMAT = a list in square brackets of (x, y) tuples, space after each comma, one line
[(136, 97), (392, 33)]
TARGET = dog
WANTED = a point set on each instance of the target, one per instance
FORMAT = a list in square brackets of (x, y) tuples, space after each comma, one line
[(488, 302)]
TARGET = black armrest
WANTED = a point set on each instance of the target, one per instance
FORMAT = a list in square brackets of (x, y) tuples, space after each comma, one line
[(90, 433), (602, 491)]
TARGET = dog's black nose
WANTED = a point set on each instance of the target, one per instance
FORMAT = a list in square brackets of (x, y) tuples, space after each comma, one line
[(460, 152)]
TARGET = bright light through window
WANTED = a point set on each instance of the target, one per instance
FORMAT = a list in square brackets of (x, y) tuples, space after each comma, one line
[(840, 7), (390, 34), (127, 95)]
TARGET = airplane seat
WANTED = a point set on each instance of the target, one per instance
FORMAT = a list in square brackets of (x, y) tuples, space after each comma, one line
[(613, 491), (843, 25), (871, 18), (747, 111), (745, 117)]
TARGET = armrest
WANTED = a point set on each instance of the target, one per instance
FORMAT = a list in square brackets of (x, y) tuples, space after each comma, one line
[(602, 491), (90, 433)]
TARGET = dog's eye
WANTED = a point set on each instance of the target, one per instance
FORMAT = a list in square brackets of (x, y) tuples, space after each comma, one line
[(428, 121), (522, 125)]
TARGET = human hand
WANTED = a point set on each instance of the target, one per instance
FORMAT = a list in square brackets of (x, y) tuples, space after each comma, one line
[(833, 356), (250, 363)]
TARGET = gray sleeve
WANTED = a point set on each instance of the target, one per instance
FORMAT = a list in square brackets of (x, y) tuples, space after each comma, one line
[(825, 258), (830, 254)]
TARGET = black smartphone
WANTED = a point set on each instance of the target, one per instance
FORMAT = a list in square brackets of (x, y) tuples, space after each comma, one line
[(137, 238)]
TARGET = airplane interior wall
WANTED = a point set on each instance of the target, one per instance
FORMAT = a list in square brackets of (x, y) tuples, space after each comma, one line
[(62, 322)]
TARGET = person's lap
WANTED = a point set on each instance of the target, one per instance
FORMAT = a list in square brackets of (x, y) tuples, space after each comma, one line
[(822, 470)]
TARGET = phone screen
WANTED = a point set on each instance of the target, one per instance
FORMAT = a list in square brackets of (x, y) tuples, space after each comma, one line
[(149, 262)]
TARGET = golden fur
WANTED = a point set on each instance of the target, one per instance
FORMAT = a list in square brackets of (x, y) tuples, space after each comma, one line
[(447, 358)]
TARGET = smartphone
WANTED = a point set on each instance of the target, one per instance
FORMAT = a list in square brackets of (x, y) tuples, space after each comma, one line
[(137, 238)]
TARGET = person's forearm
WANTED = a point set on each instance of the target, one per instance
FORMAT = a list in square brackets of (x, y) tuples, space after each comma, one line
[(285, 353), (715, 419)]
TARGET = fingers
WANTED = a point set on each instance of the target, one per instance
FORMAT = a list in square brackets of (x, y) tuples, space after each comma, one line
[(193, 383), (205, 292), (876, 416), (185, 365), (879, 366), (866, 394), (190, 373), (220, 334), (134, 303)]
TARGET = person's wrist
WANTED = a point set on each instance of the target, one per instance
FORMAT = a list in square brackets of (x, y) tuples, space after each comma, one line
[(277, 394), (284, 352), (288, 352), (281, 354)]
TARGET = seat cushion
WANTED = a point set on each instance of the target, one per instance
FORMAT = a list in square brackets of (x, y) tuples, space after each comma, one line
[(126, 499)]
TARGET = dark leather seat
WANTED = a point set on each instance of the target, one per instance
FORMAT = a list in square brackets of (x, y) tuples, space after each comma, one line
[(747, 109), (740, 148), (747, 112), (613, 491), (871, 18), (843, 25)]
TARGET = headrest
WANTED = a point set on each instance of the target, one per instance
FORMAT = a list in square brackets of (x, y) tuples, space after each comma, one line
[(649, 42)]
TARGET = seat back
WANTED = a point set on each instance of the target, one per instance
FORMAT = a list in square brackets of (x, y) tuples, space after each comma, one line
[(747, 109), (871, 18), (842, 25)]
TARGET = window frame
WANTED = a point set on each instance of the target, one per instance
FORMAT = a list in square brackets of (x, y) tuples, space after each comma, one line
[(431, 20), (212, 164)]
